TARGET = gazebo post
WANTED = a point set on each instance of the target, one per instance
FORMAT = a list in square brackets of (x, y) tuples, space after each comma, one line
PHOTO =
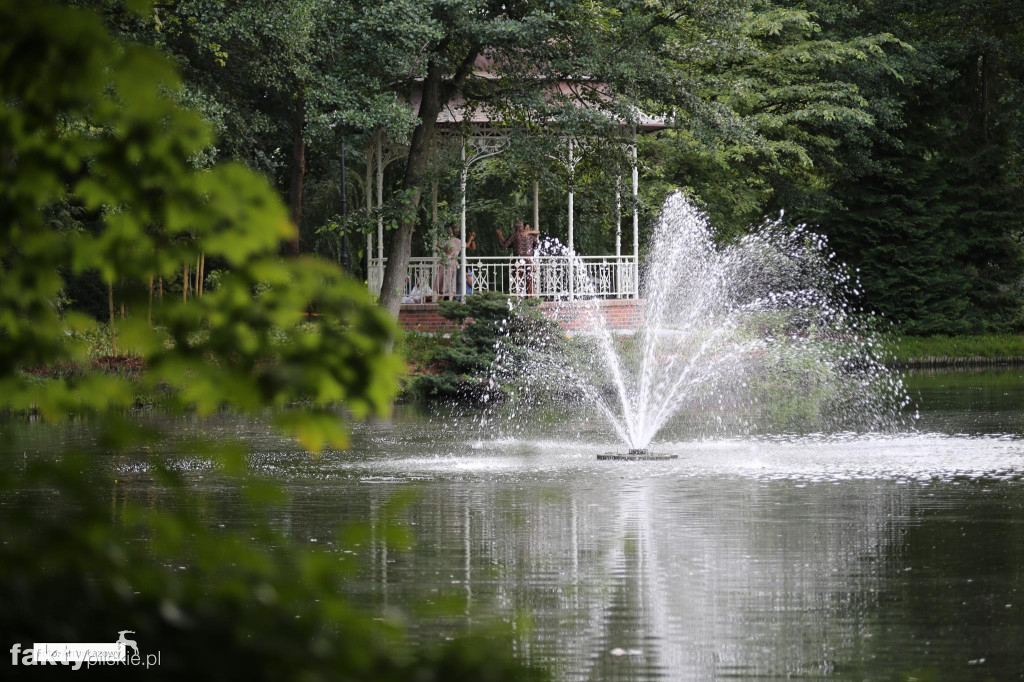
[(636, 222), (462, 220), (369, 209), (433, 217), (572, 250), (536, 205), (618, 237), (380, 198), (618, 219)]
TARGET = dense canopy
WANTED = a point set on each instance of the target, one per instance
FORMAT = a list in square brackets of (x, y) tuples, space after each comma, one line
[(893, 128)]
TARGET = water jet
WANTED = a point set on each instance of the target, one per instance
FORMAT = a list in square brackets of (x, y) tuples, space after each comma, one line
[(764, 329)]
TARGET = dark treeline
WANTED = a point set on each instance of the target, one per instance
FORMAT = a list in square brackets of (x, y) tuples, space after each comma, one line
[(895, 128), (928, 204)]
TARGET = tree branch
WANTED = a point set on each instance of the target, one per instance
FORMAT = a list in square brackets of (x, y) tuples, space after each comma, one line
[(461, 73)]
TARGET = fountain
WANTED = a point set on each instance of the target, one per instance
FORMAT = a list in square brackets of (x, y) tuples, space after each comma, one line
[(634, 454), (765, 327)]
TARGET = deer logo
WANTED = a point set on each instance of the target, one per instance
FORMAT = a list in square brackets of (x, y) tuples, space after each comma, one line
[(121, 639)]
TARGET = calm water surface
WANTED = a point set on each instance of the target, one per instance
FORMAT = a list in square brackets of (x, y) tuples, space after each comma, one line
[(839, 556)]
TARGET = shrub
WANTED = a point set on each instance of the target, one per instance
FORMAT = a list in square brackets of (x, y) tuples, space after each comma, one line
[(90, 123), (493, 322)]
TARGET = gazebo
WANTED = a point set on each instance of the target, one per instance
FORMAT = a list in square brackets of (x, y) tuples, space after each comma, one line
[(475, 135)]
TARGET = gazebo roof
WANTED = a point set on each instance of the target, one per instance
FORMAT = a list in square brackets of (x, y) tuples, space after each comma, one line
[(582, 93)]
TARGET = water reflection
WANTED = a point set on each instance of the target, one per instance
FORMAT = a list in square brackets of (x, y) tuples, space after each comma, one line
[(654, 578), (814, 557), (833, 556)]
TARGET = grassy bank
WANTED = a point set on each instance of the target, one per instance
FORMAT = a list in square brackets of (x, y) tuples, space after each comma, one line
[(908, 348)]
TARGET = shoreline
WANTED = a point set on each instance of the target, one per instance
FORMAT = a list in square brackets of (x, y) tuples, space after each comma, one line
[(949, 362), (968, 350)]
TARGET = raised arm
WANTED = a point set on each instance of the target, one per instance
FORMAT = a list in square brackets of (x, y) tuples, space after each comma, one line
[(505, 243)]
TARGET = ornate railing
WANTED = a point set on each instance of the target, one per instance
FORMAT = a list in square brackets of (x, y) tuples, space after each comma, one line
[(539, 276)]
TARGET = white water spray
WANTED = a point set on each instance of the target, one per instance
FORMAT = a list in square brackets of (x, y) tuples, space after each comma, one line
[(762, 326)]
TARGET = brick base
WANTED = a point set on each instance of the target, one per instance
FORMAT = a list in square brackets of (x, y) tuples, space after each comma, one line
[(624, 314), (424, 317), (621, 314)]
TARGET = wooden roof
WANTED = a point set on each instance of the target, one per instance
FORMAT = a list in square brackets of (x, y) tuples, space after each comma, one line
[(582, 93)]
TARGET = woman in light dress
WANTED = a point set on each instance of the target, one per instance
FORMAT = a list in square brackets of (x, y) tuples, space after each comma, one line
[(448, 270)]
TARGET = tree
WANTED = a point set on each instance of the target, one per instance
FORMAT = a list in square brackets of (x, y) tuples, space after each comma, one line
[(896, 230), (87, 122), (795, 113), (894, 129), (281, 81), (944, 174)]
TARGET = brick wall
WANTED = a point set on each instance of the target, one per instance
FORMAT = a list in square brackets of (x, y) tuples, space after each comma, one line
[(423, 317), (621, 314)]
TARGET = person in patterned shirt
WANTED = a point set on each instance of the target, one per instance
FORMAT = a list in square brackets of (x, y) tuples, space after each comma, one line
[(523, 243)]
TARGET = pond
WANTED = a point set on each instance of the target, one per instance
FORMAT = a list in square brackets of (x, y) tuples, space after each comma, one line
[(837, 555)]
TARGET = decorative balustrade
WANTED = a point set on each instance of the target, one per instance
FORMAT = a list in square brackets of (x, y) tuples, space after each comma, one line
[(539, 276)]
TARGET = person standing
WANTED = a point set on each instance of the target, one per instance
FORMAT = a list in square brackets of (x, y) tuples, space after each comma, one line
[(523, 243), (448, 265)]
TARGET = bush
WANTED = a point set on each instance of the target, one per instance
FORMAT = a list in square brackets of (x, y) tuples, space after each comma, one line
[(493, 323), (88, 123)]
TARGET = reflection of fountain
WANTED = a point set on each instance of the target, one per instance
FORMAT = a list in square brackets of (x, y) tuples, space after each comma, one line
[(660, 578), (763, 326)]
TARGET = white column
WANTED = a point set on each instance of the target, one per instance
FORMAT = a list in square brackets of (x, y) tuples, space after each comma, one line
[(618, 238), (369, 209), (536, 205), (536, 225), (572, 247), (380, 198), (572, 174), (433, 217), (636, 225), (462, 220), (618, 219)]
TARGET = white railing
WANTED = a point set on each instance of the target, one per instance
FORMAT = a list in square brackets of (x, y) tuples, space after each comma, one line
[(539, 276)]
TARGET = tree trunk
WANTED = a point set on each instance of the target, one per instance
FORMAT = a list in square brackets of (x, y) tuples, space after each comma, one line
[(415, 177), (984, 96), (110, 307), (298, 171)]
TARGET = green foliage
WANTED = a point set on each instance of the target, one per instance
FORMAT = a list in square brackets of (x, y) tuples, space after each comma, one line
[(493, 322), (420, 349), (895, 128), (268, 74), (68, 138), (987, 346), (928, 206), (795, 112), (91, 125)]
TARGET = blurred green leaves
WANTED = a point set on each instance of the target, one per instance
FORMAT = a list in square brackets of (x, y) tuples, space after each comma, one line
[(90, 122), (89, 125)]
